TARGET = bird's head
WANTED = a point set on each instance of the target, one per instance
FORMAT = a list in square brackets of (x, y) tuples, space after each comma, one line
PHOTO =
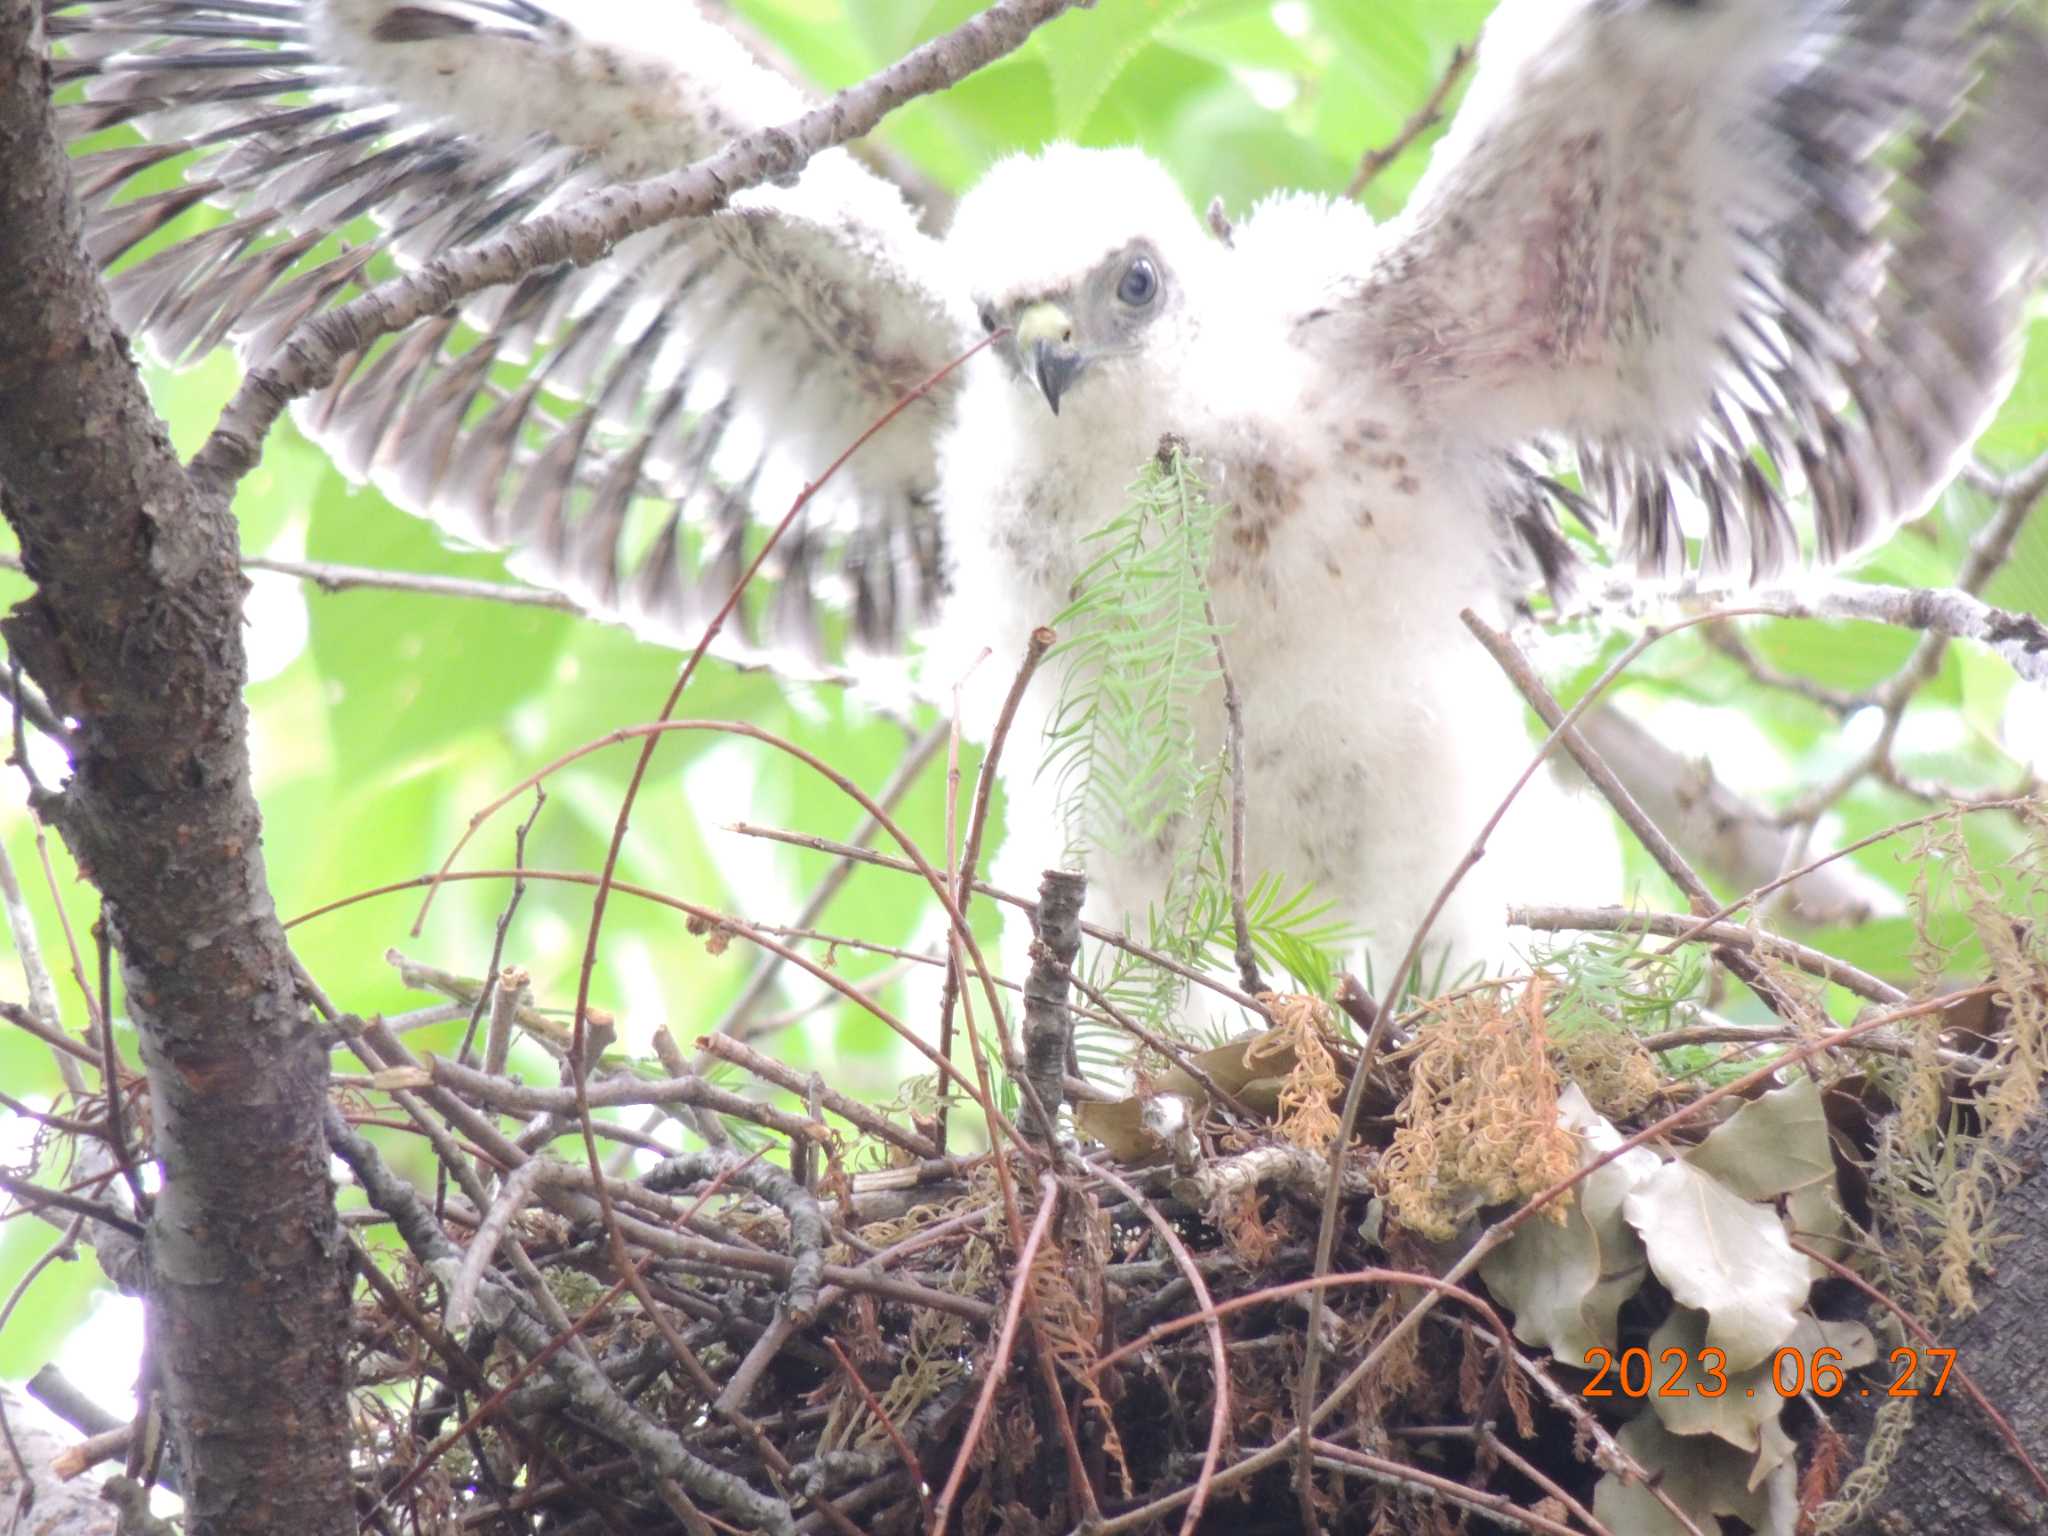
[(1086, 256)]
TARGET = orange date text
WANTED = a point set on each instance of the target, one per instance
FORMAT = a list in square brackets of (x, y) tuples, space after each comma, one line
[(1704, 1373)]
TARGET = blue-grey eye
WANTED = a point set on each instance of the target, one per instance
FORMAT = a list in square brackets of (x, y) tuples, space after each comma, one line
[(1140, 283)]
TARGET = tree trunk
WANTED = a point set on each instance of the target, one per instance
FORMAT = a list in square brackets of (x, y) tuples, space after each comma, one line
[(135, 633)]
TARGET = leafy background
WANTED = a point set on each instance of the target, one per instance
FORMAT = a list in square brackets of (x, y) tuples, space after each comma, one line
[(382, 721)]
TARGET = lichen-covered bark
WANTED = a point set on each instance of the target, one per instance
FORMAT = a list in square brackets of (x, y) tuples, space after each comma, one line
[(135, 631)]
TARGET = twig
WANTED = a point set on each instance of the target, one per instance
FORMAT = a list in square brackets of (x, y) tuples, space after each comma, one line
[(334, 579), (63, 1123), (1099, 934), (1426, 117), (1606, 1451), (514, 1191), (1042, 641), (1492, 1445), (1494, 1506), (888, 976), (1211, 1320), (1730, 935), (2021, 638), (1752, 898), (1523, 676), (499, 1039), (1006, 1340), (453, 1157), (808, 1233), (768, 1069), (35, 1197), (110, 1070), (88, 1453), (1713, 1030), (1727, 639), (881, 1416), (60, 1043), (2024, 484), (31, 708), (509, 992), (1233, 725), (889, 796), (1660, 848), (42, 991), (1171, 1050), (1988, 551), (505, 1095), (94, 1000), (1503, 1340), (907, 958), (1035, 649)]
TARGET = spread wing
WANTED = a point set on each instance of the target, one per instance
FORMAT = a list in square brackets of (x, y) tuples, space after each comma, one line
[(617, 423), (1723, 250)]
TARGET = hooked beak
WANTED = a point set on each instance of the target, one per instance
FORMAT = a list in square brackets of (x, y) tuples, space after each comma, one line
[(1046, 336)]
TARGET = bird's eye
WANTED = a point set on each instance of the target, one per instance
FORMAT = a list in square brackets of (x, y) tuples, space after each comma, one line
[(988, 317), (1140, 283)]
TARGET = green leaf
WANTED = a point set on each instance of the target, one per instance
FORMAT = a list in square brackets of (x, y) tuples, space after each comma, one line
[(1120, 33), (411, 675), (48, 1310)]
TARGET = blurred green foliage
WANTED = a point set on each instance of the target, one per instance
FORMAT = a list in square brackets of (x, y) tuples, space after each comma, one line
[(383, 721)]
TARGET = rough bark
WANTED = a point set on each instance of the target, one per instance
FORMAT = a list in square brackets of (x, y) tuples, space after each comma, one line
[(1955, 1475), (135, 632)]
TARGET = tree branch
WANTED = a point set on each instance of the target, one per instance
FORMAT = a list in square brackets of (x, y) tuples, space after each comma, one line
[(1741, 843), (135, 632), (2021, 638)]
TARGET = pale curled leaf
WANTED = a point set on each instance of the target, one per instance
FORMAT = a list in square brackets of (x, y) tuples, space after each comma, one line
[(1856, 1344), (1744, 1408), (1690, 1404), (1814, 1217), (1703, 1476), (1770, 1145), (1727, 1256), (1776, 1451)]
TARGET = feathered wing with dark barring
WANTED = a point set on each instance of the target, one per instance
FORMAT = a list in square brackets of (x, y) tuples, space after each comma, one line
[(1676, 236), (617, 422), (1803, 227)]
